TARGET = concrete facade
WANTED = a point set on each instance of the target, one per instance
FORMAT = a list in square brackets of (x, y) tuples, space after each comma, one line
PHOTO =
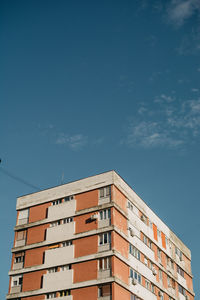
[(95, 238)]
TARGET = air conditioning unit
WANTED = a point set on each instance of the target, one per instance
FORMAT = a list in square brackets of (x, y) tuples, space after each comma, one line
[(154, 271), (143, 218), (131, 231), (160, 294), (187, 297), (93, 217), (134, 281)]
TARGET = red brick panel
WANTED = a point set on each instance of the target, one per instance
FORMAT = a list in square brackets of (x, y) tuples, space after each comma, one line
[(85, 271), (120, 270), (119, 220), (119, 198), (155, 233), (85, 293), (32, 281), (39, 212), (120, 244), (119, 293), (85, 246), (34, 257), (36, 234), (87, 199), (84, 223), (163, 240), (39, 297)]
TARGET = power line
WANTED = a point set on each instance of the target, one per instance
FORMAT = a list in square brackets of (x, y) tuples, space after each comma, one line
[(13, 176)]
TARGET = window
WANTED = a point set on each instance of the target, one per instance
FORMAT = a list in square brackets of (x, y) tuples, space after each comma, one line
[(19, 257), (105, 192), (66, 267), (105, 238), (153, 288), (178, 253), (68, 198), (134, 251), (147, 284), (159, 253), (135, 275), (181, 290), (104, 263), (56, 202), (160, 275), (66, 243), (16, 280), (144, 219), (104, 290), (67, 220), (104, 214), (145, 261), (51, 295), (54, 224), (150, 224), (180, 271), (145, 240), (64, 293), (53, 270), (134, 297)]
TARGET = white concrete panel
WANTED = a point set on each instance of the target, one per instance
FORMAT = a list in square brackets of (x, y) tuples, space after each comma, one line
[(103, 223), (141, 268), (15, 289), (17, 266), (104, 274), (104, 200), (57, 281), (60, 233), (181, 297), (182, 281), (20, 243), (104, 298), (143, 248), (72, 188), (59, 256), (105, 247), (142, 292), (61, 211)]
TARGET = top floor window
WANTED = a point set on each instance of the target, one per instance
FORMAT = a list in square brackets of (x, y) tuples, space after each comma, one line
[(56, 202), (104, 214), (179, 253), (68, 198), (105, 192)]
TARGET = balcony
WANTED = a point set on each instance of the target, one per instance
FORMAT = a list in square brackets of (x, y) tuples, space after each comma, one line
[(15, 289), (60, 233), (103, 200), (61, 211), (17, 266), (59, 256), (105, 298), (105, 247), (104, 223), (102, 274), (20, 243), (64, 298), (58, 281)]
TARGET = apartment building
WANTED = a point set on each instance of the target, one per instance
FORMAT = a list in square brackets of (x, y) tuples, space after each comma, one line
[(95, 239)]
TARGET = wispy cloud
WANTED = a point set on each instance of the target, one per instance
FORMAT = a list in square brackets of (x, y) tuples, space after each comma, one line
[(170, 124), (75, 142), (180, 10)]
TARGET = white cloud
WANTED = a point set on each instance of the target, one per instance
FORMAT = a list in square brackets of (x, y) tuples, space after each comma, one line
[(171, 124), (181, 10), (75, 142), (194, 90)]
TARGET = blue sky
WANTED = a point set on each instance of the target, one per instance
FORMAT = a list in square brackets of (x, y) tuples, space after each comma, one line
[(90, 86)]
